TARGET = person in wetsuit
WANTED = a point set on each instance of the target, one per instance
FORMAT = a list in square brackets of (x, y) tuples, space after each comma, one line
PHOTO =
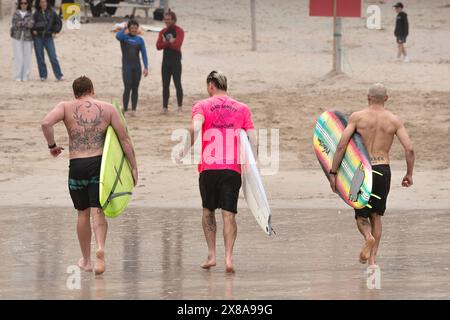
[(131, 44), (170, 40)]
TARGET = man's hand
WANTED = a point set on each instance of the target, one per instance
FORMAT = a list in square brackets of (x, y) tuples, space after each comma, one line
[(35, 32), (333, 182), (407, 181), (134, 172), (56, 151), (145, 73), (172, 40)]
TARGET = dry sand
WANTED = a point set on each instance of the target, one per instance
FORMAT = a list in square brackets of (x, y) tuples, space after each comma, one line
[(284, 82)]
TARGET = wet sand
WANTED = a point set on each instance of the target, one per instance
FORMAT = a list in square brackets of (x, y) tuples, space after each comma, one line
[(155, 254)]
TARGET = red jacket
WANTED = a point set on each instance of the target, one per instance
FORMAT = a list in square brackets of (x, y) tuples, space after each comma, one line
[(160, 44)]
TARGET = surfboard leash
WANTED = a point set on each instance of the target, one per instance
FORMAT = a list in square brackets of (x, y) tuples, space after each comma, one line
[(113, 195)]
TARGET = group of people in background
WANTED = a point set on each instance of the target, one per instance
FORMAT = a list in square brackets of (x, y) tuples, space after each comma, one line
[(170, 40), (36, 28), (40, 27)]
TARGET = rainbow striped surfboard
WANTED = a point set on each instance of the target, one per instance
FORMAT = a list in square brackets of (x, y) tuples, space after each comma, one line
[(354, 176)]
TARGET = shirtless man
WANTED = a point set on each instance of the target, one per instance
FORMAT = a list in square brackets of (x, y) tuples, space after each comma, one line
[(377, 127), (86, 120)]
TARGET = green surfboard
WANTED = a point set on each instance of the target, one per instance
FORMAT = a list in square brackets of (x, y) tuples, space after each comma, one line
[(116, 181)]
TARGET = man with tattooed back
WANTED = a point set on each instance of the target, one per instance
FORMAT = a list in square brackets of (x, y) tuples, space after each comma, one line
[(86, 120)]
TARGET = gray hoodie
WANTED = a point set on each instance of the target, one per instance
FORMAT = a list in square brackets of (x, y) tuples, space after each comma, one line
[(20, 25)]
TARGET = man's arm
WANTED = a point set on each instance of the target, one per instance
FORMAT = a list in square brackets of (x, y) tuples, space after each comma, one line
[(53, 117), (178, 41), (340, 150), (405, 25), (121, 35), (125, 142), (144, 56), (194, 131), (402, 135), (161, 43), (196, 128)]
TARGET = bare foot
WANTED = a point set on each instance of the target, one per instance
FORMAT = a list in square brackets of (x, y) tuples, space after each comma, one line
[(100, 262), (208, 263), (85, 265), (365, 251), (229, 267)]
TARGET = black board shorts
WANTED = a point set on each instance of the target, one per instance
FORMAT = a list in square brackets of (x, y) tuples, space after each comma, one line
[(381, 185), (220, 189), (84, 175)]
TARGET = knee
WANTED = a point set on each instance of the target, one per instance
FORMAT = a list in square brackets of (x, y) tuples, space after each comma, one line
[(229, 217), (83, 215)]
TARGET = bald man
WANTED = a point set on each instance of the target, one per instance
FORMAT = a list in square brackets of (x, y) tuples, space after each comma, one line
[(377, 127)]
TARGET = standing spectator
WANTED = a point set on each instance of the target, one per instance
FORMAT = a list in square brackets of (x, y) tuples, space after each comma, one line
[(131, 44), (22, 23), (46, 24), (401, 31), (170, 40)]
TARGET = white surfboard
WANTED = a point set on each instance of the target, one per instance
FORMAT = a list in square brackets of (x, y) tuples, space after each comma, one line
[(151, 28), (252, 186)]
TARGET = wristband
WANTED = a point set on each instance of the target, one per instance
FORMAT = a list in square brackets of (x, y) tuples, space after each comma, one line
[(52, 146), (333, 173)]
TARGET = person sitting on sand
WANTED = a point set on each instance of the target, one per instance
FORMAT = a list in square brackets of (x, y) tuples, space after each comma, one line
[(377, 127), (219, 118), (86, 120)]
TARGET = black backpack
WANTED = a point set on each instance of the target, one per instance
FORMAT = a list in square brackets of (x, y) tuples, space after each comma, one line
[(158, 14)]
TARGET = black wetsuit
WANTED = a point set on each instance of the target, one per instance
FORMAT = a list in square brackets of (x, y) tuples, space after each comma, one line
[(131, 66), (171, 64)]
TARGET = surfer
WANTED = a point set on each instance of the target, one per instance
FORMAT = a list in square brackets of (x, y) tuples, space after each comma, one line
[(170, 40), (131, 44), (377, 127), (86, 120), (220, 120)]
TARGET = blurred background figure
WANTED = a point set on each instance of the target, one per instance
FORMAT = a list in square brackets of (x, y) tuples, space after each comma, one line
[(47, 23), (131, 44), (21, 26), (170, 40)]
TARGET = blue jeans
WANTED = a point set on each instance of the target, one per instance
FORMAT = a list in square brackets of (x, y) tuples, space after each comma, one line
[(46, 42)]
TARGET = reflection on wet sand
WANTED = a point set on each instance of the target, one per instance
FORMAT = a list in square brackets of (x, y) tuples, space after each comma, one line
[(156, 253)]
